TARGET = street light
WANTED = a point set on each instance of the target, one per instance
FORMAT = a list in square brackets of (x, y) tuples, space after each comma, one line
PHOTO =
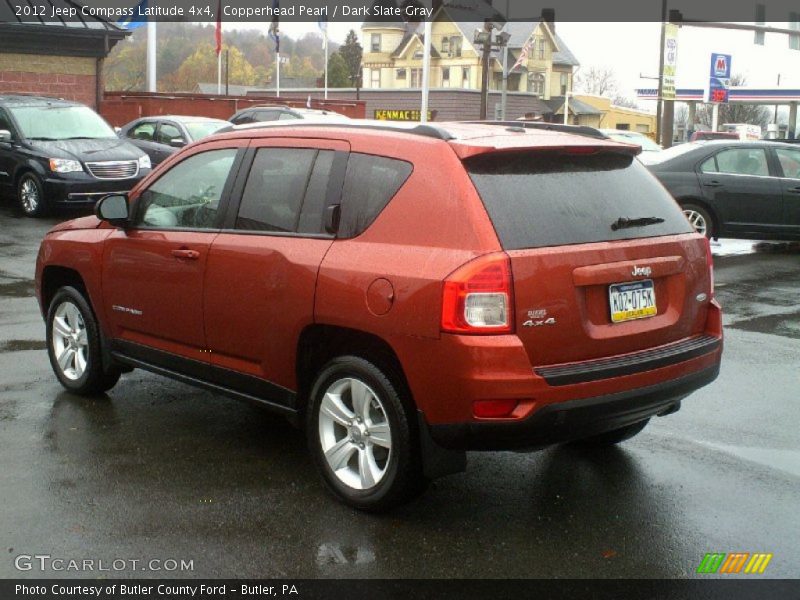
[(483, 37)]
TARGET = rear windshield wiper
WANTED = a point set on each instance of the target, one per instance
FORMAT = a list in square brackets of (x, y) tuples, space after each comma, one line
[(624, 222)]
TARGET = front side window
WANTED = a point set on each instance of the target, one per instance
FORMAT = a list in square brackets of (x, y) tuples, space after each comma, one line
[(143, 131), (790, 162), (188, 195), (5, 122), (168, 132), (743, 161), (286, 190)]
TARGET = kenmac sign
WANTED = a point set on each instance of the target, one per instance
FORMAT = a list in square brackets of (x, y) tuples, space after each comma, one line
[(385, 114)]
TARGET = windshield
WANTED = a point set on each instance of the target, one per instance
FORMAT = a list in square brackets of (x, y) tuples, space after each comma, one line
[(60, 123), (653, 158), (200, 129)]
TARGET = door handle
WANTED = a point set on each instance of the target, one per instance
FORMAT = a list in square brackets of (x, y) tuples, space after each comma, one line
[(794, 190), (712, 184), (186, 253)]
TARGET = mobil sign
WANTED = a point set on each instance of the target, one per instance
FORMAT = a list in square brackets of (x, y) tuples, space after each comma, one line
[(719, 80)]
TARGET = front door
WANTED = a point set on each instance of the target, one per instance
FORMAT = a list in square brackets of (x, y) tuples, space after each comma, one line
[(789, 160), (738, 184), (153, 271), (262, 268)]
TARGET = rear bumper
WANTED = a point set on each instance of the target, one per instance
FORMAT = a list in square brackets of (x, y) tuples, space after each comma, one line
[(573, 419)]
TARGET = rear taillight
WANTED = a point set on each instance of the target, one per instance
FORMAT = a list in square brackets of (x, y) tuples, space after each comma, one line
[(710, 261), (477, 297)]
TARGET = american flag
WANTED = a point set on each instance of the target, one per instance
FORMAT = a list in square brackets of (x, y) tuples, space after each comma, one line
[(523, 55)]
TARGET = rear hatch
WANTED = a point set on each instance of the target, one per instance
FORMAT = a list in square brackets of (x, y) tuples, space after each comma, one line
[(603, 260)]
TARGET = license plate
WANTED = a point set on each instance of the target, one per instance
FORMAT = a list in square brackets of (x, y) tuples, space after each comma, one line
[(635, 300)]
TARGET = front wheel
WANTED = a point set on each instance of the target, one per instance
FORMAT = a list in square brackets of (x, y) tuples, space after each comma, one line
[(361, 436), (73, 345), (30, 196)]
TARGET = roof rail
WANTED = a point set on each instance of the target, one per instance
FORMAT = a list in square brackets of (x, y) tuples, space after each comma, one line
[(563, 128), (430, 131)]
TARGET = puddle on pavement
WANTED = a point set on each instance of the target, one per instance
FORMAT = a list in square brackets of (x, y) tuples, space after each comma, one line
[(22, 345), (785, 325), (24, 288)]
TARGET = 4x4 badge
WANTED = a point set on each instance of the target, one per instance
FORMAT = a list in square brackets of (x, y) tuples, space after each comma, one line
[(539, 322)]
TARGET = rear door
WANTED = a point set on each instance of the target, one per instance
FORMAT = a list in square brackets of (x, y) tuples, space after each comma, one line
[(262, 268), (789, 164), (738, 183), (603, 260), (143, 136)]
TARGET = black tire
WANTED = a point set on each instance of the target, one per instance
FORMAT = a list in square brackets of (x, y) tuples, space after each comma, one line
[(402, 478), (615, 436), (95, 378), (30, 196), (702, 213)]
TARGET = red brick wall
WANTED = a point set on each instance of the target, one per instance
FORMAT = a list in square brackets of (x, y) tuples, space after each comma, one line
[(70, 78)]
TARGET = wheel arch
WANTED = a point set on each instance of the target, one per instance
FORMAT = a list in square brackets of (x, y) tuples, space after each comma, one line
[(55, 277), (319, 343)]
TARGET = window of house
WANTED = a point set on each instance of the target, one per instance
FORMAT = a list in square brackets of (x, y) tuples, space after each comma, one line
[(445, 45), (375, 42), (416, 78), (446, 75), (465, 77), (537, 83), (564, 84), (401, 73), (541, 48), (455, 44), (375, 78)]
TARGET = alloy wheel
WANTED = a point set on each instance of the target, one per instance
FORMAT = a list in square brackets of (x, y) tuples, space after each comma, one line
[(697, 220), (355, 433), (29, 195), (70, 341)]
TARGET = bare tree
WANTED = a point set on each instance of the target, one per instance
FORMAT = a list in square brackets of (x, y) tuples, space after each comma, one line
[(597, 80), (736, 113)]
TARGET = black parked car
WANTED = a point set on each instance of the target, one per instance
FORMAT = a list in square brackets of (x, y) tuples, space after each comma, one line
[(734, 189), (160, 137), (57, 152)]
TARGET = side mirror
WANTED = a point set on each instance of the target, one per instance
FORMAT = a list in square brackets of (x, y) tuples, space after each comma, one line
[(5, 136), (177, 142), (114, 209)]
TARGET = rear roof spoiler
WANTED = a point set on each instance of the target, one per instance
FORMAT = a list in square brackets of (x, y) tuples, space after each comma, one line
[(574, 129)]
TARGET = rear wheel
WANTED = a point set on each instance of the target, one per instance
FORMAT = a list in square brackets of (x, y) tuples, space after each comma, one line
[(615, 436), (73, 345), (699, 218), (361, 436), (30, 196)]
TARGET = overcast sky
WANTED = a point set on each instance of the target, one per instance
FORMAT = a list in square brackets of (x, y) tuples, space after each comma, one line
[(631, 49)]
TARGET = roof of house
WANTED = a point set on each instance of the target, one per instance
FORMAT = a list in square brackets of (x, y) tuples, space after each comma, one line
[(576, 107), (407, 39), (78, 36)]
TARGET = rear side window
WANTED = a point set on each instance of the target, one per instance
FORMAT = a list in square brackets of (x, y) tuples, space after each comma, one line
[(285, 191), (537, 199), (369, 184)]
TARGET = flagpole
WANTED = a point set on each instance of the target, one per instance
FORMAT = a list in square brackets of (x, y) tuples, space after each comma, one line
[(325, 41), (151, 56), (426, 71), (278, 74), (219, 73)]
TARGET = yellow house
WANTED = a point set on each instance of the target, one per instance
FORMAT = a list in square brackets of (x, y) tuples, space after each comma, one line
[(617, 117), (393, 56)]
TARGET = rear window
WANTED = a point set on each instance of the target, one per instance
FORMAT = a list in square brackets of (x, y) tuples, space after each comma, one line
[(537, 199)]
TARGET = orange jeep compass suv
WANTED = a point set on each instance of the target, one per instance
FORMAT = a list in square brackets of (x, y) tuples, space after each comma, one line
[(404, 293)]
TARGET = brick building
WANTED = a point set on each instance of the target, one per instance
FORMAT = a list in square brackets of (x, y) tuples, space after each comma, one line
[(62, 59)]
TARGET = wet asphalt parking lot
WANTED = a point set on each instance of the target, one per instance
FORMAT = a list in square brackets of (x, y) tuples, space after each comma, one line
[(159, 470)]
